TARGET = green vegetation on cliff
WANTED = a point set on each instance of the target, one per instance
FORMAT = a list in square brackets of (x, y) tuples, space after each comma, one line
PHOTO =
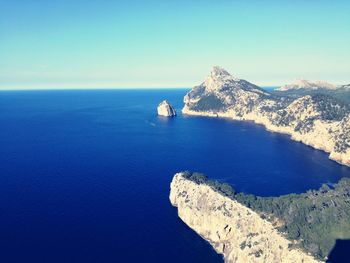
[(315, 218)]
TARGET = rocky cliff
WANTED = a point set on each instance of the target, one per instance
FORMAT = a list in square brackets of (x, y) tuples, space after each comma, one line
[(317, 120), (235, 231)]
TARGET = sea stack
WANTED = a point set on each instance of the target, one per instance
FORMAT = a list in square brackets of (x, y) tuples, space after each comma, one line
[(165, 109)]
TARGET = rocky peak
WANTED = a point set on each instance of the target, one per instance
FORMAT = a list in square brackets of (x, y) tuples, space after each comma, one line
[(218, 78), (220, 73)]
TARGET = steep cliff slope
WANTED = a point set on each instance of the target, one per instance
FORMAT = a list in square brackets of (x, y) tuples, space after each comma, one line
[(234, 230)]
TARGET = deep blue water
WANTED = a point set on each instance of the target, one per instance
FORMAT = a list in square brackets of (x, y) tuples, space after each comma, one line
[(84, 175)]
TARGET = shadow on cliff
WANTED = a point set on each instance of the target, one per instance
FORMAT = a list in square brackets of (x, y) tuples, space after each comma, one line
[(340, 252)]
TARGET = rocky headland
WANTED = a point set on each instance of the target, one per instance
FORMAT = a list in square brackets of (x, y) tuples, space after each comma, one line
[(317, 120)]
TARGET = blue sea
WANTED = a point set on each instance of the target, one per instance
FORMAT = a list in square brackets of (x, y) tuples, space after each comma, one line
[(85, 174)]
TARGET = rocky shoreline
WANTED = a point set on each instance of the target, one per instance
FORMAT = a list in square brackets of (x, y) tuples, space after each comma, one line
[(324, 145)]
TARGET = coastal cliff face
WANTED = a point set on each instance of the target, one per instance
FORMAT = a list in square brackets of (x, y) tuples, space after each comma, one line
[(316, 120), (235, 231)]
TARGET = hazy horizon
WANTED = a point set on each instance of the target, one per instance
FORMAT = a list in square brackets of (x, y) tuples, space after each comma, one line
[(51, 45), (21, 88)]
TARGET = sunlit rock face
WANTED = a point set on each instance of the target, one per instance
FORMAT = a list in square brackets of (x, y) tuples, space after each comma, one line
[(235, 231), (316, 120), (165, 109)]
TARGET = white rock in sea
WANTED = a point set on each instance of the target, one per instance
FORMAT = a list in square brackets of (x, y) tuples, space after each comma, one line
[(165, 109)]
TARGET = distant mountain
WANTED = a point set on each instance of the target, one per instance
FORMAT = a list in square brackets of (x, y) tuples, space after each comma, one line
[(344, 87), (318, 120), (341, 92), (306, 84)]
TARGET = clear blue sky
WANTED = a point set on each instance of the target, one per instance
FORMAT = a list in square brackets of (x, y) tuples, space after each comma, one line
[(105, 43)]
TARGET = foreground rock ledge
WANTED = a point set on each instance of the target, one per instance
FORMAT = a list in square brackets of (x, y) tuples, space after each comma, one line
[(165, 109), (235, 231)]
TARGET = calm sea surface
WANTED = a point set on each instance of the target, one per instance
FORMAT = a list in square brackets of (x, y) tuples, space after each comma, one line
[(84, 175)]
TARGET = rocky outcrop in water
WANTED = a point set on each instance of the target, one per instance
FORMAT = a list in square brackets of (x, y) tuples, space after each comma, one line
[(235, 231), (318, 120), (165, 109)]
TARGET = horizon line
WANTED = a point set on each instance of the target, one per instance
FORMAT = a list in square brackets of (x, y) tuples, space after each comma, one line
[(108, 88)]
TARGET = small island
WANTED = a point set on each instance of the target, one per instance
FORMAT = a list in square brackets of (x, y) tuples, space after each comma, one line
[(165, 109)]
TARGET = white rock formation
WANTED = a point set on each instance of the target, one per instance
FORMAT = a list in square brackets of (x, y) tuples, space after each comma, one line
[(235, 231), (306, 84), (165, 109), (319, 120)]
